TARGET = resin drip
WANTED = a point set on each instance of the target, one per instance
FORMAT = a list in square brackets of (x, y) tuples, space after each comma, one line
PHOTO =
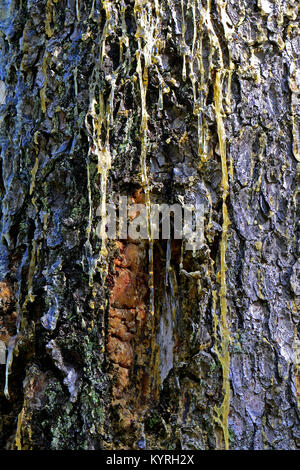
[(223, 349), (148, 28), (102, 118)]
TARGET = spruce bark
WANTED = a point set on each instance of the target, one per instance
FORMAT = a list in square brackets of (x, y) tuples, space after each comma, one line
[(124, 345)]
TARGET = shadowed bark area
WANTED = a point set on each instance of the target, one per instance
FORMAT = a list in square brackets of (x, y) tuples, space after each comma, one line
[(126, 344)]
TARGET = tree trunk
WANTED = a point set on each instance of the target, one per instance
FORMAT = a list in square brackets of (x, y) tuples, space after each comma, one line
[(144, 344)]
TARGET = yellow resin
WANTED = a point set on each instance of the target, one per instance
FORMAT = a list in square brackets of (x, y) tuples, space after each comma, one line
[(18, 438), (33, 175), (101, 119), (147, 16), (222, 323), (43, 90)]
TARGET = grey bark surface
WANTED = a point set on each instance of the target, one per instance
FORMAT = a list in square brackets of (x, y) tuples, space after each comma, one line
[(187, 100)]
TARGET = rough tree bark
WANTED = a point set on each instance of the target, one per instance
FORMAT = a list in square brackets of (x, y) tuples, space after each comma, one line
[(163, 101)]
